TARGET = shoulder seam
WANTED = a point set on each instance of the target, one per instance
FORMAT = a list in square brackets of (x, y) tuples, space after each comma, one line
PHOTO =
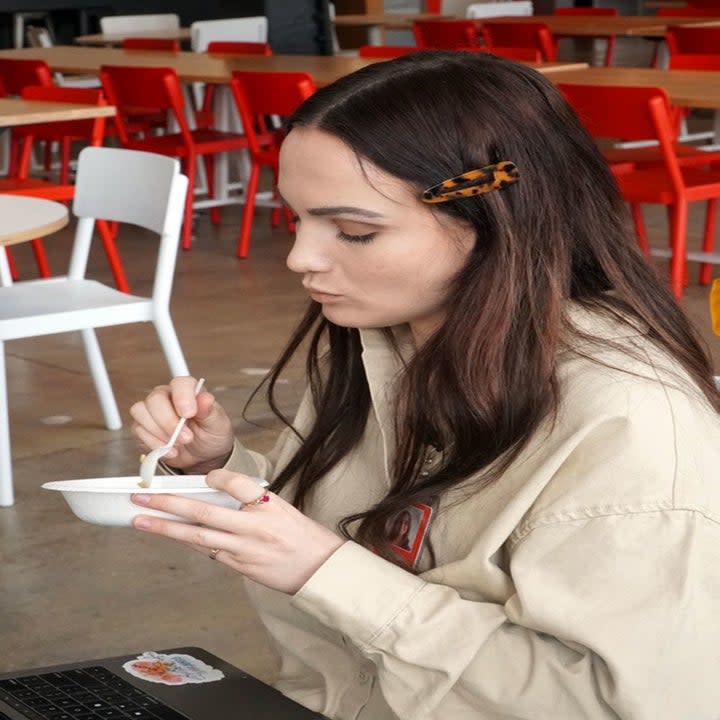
[(605, 511)]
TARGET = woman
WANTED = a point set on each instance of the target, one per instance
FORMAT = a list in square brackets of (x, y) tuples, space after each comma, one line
[(503, 361)]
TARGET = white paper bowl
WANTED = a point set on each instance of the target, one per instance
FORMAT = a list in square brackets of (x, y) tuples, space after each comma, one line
[(106, 501)]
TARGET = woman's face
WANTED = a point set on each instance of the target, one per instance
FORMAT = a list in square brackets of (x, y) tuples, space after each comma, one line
[(368, 249)]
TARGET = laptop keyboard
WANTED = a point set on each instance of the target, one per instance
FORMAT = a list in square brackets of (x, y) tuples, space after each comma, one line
[(82, 694)]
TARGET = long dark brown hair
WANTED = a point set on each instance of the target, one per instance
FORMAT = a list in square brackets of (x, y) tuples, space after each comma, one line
[(482, 384)]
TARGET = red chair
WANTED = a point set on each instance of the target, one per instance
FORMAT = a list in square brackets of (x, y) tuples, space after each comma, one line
[(149, 43), (510, 53), (521, 34), (159, 89), (590, 12), (21, 184), (646, 113), (258, 94), (205, 117), (222, 47), (695, 61), (445, 34), (433, 6), (16, 75), (713, 11), (696, 40), (385, 51)]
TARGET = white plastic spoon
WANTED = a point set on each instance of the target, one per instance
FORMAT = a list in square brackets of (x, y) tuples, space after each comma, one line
[(150, 461)]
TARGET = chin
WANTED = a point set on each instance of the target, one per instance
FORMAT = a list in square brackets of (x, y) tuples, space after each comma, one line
[(353, 320)]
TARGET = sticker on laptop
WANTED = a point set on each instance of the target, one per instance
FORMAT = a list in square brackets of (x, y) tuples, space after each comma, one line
[(174, 669)]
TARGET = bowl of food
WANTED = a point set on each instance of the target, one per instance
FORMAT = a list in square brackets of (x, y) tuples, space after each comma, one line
[(106, 501)]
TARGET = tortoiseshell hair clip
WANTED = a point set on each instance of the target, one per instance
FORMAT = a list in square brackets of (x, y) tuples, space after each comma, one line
[(473, 182)]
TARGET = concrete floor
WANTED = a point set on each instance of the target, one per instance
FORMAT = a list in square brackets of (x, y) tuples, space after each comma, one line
[(69, 590)]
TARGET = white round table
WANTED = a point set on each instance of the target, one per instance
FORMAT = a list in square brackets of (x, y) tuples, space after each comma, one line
[(25, 218)]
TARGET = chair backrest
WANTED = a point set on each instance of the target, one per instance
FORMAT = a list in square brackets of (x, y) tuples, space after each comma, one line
[(385, 51), (17, 74), (258, 94), (247, 29), (38, 36), (128, 24), (694, 4), (239, 48), (583, 11), (150, 88), (646, 114), (522, 34), (150, 43), (691, 61), (685, 39), (433, 6), (144, 189), (685, 11), (444, 34), (521, 8), (92, 129), (509, 53)]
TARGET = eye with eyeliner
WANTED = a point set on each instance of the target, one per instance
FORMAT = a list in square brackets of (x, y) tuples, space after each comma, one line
[(365, 238)]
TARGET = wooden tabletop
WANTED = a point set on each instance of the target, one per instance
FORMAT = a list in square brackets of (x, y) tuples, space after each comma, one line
[(25, 218), (200, 67), (14, 111), (117, 38), (626, 25), (686, 88)]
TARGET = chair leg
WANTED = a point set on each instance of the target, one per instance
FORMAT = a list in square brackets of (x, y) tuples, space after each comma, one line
[(41, 258), (708, 240), (640, 230), (189, 169), (108, 240), (248, 212), (609, 51), (209, 162), (65, 147), (6, 482), (170, 344), (678, 246), (14, 274), (102, 381)]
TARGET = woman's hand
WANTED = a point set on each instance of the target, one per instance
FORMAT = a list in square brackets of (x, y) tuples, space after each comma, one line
[(206, 440), (270, 542)]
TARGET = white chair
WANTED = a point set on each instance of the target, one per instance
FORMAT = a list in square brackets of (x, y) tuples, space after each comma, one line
[(246, 29), (115, 184), (499, 9), (19, 19), (128, 24), (202, 33)]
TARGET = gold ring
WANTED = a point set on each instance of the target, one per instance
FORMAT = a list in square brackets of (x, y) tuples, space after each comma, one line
[(214, 553)]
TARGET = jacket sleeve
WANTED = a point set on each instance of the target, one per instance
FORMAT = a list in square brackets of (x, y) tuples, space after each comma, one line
[(613, 616)]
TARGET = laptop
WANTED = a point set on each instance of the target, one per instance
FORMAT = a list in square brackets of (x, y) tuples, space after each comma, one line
[(179, 684)]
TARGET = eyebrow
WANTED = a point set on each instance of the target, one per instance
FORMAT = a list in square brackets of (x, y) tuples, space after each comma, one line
[(336, 210), (344, 210)]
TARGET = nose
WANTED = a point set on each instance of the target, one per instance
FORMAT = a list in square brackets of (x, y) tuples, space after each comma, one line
[(308, 254)]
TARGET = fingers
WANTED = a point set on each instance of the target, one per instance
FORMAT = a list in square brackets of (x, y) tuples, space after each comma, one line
[(156, 416), (182, 392), (244, 488)]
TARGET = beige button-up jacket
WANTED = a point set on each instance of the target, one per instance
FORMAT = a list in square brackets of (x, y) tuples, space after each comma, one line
[(584, 584)]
